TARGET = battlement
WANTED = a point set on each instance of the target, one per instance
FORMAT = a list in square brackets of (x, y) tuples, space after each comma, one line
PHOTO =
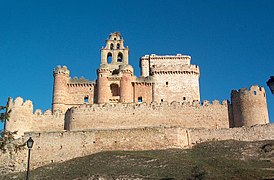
[(149, 107), (18, 104), (159, 57), (22, 118), (82, 82), (254, 89), (175, 69), (61, 70)]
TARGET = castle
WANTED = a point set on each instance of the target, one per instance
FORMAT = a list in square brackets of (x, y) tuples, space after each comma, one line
[(166, 94), (119, 111)]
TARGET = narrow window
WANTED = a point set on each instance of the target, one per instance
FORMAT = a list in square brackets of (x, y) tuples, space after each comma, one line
[(255, 93), (86, 99), (114, 38), (162, 100), (118, 46), (114, 88), (166, 84), (140, 99), (184, 98), (109, 56), (120, 57), (111, 46)]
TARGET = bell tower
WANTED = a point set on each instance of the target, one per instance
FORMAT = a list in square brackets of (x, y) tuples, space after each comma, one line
[(114, 52)]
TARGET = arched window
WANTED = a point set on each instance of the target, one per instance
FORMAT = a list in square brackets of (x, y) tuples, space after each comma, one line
[(118, 46), (111, 46), (109, 57), (120, 57), (114, 88)]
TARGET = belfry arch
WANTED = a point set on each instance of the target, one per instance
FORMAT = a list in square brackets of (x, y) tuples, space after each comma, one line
[(120, 57), (109, 58)]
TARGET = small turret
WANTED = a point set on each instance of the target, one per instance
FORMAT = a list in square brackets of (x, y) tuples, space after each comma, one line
[(249, 106), (61, 77)]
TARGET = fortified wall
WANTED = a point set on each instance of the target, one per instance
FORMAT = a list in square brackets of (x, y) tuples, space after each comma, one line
[(134, 115), (59, 146)]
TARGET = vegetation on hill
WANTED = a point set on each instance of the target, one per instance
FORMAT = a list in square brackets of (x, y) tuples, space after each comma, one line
[(211, 160)]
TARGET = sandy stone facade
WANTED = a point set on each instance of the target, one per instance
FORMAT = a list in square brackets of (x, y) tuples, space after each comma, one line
[(119, 111)]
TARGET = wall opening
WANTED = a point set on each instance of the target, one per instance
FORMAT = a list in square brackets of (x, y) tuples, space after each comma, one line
[(111, 46), (118, 46), (140, 99), (114, 88), (255, 93), (162, 100), (184, 98), (166, 84), (109, 57), (86, 99), (120, 57)]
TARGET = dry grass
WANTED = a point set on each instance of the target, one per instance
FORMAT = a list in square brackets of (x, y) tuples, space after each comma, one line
[(211, 160)]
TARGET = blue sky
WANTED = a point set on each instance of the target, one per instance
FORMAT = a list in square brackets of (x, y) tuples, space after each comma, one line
[(231, 41)]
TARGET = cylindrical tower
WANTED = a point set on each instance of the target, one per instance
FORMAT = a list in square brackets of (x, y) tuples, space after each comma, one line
[(144, 65), (103, 88), (249, 106), (126, 88), (61, 77)]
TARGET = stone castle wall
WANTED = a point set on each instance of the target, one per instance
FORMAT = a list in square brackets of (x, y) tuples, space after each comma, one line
[(186, 115), (23, 119), (60, 146)]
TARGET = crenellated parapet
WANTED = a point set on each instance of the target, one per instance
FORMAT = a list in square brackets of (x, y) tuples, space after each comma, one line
[(80, 82), (61, 70), (175, 69), (24, 119), (249, 106), (253, 90), (185, 58)]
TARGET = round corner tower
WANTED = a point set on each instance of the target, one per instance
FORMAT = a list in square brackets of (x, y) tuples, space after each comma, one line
[(126, 88), (249, 106), (61, 77)]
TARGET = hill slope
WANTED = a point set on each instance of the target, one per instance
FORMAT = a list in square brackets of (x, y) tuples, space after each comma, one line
[(211, 160)]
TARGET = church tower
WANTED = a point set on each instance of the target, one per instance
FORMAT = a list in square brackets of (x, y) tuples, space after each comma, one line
[(115, 74)]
